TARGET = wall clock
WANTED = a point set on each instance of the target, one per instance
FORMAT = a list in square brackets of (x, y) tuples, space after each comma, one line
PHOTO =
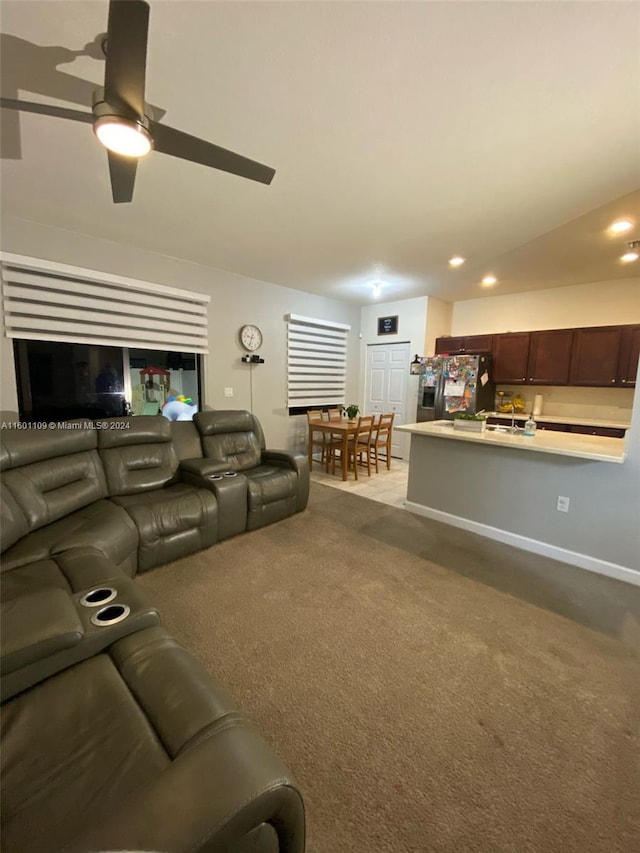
[(251, 337)]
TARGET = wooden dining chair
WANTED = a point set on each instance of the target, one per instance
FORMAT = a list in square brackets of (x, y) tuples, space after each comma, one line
[(334, 414), (318, 439), (358, 448), (381, 439)]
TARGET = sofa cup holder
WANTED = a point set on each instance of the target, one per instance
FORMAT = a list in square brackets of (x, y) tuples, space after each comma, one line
[(223, 476), (230, 473), (111, 614), (98, 596)]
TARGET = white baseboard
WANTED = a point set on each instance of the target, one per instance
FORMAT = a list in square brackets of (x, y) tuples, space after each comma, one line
[(582, 561)]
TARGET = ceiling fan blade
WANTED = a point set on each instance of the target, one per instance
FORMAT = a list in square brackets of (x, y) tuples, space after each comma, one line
[(167, 140), (126, 55), (46, 109), (123, 176)]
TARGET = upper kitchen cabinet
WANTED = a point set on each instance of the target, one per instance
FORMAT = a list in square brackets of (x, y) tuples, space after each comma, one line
[(511, 357), (550, 357), (629, 356), (595, 356), (468, 343), (446, 346)]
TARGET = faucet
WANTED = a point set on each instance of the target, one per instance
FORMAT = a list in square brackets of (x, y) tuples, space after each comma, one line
[(514, 429)]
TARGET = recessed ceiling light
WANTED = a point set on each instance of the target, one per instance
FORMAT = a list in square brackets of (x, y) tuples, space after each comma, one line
[(621, 226), (629, 257), (456, 261), (632, 254), (376, 288), (489, 280)]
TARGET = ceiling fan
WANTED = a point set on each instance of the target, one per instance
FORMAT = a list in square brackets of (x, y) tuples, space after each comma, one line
[(119, 119)]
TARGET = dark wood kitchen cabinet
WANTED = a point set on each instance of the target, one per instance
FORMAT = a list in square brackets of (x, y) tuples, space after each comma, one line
[(629, 356), (445, 346), (511, 357), (550, 357), (603, 432), (553, 427), (463, 344), (595, 356)]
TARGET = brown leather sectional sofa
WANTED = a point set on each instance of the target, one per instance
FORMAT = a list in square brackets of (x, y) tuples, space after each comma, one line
[(113, 736)]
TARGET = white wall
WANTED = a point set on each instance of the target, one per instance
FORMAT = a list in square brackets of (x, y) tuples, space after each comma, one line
[(439, 315), (235, 300), (603, 303), (412, 314)]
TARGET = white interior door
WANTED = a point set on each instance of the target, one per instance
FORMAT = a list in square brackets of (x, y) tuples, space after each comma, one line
[(387, 375)]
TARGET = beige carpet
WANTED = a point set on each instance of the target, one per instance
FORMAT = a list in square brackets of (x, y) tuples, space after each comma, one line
[(430, 689)]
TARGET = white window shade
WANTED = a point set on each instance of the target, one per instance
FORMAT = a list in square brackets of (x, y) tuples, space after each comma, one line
[(316, 362), (43, 300)]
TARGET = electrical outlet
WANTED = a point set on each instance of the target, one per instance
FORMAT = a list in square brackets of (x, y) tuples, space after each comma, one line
[(228, 392), (563, 504)]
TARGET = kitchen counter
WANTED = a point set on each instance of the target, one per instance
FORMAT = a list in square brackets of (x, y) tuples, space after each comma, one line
[(556, 419), (550, 494), (590, 447)]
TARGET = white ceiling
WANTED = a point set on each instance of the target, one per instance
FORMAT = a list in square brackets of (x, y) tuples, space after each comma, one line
[(401, 132)]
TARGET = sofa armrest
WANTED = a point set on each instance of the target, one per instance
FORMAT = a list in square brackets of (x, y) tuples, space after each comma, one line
[(200, 468), (37, 626), (297, 462), (63, 651), (208, 800)]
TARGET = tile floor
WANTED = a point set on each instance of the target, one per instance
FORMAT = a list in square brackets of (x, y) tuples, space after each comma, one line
[(388, 487)]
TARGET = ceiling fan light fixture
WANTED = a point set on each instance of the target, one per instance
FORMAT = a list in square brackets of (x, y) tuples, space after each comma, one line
[(123, 136)]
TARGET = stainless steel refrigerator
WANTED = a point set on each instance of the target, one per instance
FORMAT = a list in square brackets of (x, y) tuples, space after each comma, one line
[(451, 384)]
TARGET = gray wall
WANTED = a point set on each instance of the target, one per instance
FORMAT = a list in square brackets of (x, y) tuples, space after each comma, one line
[(235, 300), (517, 492)]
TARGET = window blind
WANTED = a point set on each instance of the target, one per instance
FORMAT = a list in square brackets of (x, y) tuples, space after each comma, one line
[(43, 300), (316, 363)]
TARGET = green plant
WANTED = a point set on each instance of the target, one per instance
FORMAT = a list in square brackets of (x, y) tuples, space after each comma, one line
[(464, 417), (351, 411)]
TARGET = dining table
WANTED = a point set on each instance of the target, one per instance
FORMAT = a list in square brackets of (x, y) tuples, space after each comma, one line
[(343, 428)]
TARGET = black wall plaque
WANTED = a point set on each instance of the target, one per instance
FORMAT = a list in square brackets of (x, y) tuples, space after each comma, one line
[(388, 325)]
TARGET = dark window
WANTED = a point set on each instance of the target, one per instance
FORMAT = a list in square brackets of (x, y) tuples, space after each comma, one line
[(58, 381)]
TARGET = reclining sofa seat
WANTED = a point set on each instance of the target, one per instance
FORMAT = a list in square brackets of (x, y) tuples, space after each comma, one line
[(139, 749), (141, 468), (277, 482), (54, 500), (118, 740)]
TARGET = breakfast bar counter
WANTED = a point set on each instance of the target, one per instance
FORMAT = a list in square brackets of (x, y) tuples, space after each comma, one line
[(549, 493), (590, 447)]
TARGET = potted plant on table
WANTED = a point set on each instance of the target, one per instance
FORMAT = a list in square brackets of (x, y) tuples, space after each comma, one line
[(470, 423), (351, 411)]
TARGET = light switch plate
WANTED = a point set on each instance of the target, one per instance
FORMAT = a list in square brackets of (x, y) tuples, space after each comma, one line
[(562, 504), (228, 392)]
